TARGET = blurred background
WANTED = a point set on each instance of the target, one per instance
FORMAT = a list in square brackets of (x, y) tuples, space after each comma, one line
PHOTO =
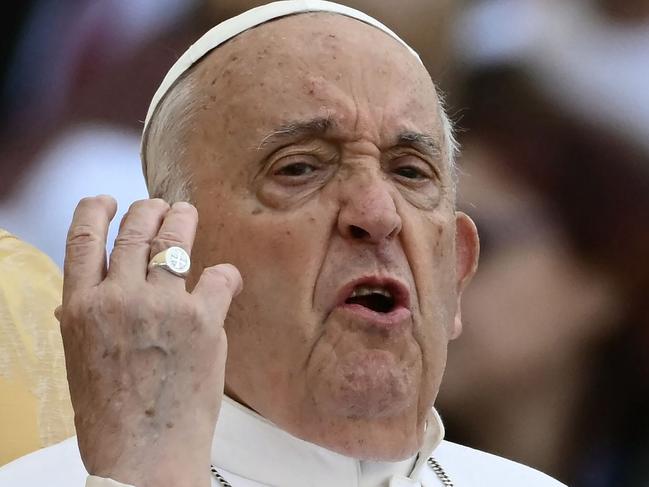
[(551, 101)]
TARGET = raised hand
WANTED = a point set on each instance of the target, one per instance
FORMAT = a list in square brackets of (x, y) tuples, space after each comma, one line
[(145, 358)]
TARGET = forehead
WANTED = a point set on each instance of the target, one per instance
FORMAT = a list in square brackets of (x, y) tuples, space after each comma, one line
[(317, 65)]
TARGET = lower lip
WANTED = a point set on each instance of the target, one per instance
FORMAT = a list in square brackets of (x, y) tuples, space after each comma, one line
[(396, 319)]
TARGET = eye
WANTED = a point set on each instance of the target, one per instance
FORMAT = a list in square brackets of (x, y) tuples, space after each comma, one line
[(412, 168), (410, 172), (295, 169)]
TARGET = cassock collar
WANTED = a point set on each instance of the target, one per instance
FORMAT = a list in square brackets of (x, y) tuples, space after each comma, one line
[(250, 446)]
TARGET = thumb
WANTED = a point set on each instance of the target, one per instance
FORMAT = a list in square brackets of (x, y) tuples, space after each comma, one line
[(216, 288)]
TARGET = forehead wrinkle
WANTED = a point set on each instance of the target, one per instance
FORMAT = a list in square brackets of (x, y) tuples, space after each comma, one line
[(341, 99)]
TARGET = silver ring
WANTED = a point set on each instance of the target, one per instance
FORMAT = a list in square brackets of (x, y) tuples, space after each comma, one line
[(174, 260)]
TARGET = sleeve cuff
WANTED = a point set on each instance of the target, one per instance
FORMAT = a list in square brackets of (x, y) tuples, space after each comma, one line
[(93, 481)]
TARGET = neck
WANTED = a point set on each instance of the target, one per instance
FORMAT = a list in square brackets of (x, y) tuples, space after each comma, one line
[(247, 445)]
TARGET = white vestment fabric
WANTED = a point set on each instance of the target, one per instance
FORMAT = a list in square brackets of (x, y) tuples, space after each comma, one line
[(249, 451)]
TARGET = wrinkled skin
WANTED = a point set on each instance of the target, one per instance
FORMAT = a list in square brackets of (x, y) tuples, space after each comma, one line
[(282, 210), (301, 215), (145, 359)]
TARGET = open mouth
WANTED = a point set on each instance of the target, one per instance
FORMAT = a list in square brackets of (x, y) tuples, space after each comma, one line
[(376, 298), (377, 301)]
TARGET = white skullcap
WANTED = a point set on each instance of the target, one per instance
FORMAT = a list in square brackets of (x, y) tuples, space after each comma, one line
[(232, 27)]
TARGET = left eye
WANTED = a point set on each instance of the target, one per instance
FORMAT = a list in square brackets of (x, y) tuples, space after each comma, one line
[(411, 172), (295, 169)]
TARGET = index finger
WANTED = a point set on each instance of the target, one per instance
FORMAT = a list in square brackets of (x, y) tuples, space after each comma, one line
[(85, 249)]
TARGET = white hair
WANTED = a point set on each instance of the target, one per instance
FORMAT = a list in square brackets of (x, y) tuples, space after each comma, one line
[(166, 142), (450, 141)]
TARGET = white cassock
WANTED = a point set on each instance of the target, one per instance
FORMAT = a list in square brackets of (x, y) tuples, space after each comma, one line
[(249, 451)]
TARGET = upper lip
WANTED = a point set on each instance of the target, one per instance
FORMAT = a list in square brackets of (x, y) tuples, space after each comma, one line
[(397, 288)]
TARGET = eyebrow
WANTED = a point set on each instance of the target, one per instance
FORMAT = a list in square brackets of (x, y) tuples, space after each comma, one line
[(298, 129), (321, 125), (423, 142)]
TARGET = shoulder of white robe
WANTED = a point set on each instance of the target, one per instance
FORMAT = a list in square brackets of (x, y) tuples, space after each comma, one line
[(236, 25)]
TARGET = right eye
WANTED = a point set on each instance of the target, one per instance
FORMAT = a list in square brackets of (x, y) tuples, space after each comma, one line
[(291, 175), (295, 169)]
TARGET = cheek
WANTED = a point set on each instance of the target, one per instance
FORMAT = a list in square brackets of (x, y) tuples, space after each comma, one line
[(286, 245), (429, 243), (278, 254), (271, 325)]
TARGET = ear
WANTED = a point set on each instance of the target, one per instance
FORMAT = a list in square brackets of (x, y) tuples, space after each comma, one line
[(467, 251)]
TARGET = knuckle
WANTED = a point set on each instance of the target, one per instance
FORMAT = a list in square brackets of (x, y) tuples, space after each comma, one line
[(81, 242), (166, 239), (187, 309), (130, 237), (158, 312), (73, 314), (82, 234), (199, 318)]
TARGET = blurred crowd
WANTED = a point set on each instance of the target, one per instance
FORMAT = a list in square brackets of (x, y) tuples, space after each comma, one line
[(551, 102)]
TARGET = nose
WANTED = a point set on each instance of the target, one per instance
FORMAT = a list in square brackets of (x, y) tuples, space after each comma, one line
[(368, 211)]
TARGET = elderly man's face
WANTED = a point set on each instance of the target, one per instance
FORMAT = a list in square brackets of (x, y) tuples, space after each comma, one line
[(320, 170)]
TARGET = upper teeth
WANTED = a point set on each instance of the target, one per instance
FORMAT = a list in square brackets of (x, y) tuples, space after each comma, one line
[(367, 290)]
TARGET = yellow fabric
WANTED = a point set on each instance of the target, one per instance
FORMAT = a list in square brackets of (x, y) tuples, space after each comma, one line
[(35, 409)]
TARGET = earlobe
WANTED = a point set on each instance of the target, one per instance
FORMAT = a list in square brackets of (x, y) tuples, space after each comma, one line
[(467, 251)]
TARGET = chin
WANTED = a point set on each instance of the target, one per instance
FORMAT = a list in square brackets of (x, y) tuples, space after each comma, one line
[(364, 403), (376, 442), (367, 385)]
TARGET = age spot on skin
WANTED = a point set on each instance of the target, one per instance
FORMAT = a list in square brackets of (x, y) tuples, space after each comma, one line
[(256, 211)]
